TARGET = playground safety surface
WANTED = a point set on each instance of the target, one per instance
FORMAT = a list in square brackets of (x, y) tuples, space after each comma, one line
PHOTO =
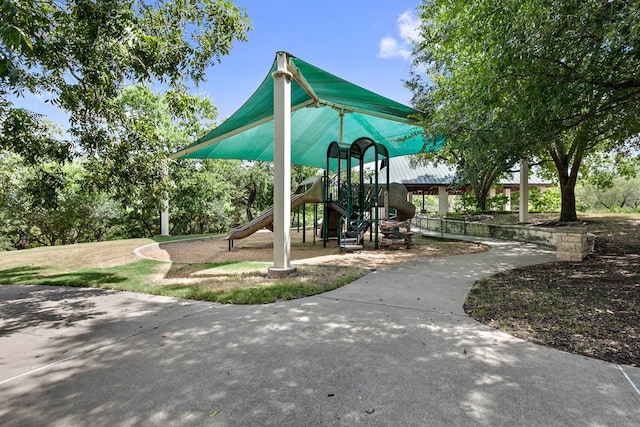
[(259, 248)]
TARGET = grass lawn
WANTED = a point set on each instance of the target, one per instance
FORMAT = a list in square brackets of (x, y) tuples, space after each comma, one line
[(113, 265)]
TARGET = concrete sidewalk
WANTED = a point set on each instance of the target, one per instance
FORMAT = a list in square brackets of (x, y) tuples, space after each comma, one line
[(393, 348)]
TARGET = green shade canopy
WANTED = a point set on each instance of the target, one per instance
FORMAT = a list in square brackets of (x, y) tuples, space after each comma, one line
[(321, 105)]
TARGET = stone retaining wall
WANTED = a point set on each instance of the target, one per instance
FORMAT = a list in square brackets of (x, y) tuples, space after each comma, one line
[(571, 243), (572, 246)]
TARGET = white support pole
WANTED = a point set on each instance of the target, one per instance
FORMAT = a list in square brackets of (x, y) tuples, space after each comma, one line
[(492, 195), (282, 169), (443, 200), (164, 213), (164, 218), (385, 212), (507, 203), (524, 191)]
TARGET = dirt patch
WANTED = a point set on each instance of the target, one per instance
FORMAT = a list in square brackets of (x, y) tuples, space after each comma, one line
[(218, 280), (259, 248)]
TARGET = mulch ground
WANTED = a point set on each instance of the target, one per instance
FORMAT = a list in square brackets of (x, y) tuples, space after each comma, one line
[(590, 308), (259, 248)]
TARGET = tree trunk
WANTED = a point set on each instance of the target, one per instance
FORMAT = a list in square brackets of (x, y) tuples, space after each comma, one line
[(253, 193), (481, 198), (481, 190), (147, 225), (22, 242), (568, 211), (568, 164)]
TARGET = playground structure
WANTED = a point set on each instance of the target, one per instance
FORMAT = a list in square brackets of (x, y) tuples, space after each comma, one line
[(289, 119), (351, 206), (309, 191)]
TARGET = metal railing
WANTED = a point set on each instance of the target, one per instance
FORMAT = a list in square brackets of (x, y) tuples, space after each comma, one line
[(443, 224)]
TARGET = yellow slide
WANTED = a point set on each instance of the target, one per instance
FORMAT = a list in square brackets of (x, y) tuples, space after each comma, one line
[(397, 199), (309, 191)]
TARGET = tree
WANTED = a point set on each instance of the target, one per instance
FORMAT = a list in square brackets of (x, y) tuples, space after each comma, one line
[(146, 127), (612, 182), (479, 152), (82, 53), (12, 174), (479, 164), (201, 198), (253, 184), (601, 170), (622, 196), (558, 78), (48, 204), (476, 144)]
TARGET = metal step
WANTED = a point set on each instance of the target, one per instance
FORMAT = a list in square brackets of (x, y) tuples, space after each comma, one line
[(349, 241)]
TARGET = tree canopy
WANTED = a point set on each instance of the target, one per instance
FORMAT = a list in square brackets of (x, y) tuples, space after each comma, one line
[(81, 53), (552, 78), (95, 60)]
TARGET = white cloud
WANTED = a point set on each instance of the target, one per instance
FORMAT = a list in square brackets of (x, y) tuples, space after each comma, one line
[(389, 48), (408, 30), (409, 25)]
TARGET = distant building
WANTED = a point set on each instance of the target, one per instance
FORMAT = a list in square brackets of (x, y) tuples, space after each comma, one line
[(431, 179)]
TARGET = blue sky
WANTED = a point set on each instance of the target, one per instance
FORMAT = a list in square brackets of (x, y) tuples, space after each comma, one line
[(362, 41)]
